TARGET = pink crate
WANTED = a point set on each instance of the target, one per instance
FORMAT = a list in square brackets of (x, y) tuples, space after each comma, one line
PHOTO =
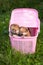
[(26, 17)]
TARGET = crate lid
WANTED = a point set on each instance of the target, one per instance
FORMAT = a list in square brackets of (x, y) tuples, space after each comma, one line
[(27, 17)]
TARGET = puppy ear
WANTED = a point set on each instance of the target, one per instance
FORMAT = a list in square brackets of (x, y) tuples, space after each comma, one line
[(29, 30)]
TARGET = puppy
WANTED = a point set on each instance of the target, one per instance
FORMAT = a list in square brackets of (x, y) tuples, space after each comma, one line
[(24, 31), (14, 29)]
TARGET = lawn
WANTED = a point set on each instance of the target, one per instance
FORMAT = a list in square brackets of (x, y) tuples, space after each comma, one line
[(8, 57)]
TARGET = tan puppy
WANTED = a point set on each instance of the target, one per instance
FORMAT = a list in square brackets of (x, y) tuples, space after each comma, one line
[(14, 29), (24, 31)]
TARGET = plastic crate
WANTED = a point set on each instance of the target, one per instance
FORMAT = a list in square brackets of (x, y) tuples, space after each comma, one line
[(26, 17)]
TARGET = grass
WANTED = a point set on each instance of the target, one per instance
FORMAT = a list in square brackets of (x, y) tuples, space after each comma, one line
[(7, 57)]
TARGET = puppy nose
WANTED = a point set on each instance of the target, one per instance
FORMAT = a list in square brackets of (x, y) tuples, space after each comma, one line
[(20, 34)]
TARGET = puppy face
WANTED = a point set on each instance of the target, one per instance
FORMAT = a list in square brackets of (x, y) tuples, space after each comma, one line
[(14, 29), (24, 31), (19, 31)]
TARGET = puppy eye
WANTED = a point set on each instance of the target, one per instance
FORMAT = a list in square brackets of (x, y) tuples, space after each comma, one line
[(25, 35), (12, 29)]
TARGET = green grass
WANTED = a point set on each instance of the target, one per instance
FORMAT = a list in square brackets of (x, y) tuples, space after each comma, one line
[(8, 57)]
